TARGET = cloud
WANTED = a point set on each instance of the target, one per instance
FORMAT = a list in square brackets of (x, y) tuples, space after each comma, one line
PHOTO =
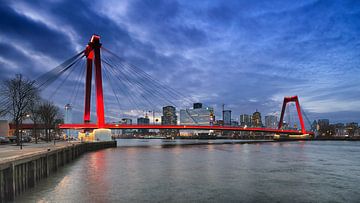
[(246, 54)]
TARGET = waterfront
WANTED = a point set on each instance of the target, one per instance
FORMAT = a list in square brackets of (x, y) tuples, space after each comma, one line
[(287, 171)]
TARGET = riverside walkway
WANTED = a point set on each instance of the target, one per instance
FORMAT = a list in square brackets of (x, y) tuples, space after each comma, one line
[(21, 169), (9, 152)]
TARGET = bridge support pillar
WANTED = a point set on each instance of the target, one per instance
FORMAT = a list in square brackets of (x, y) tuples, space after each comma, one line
[(89, 61), (93, 54), (296, 100)]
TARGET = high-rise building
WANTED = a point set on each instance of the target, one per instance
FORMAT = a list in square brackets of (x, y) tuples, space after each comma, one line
[(234, 123), (143, 121), (271, 121), (197, 105), (339, 129), (126, 121), (197, 116), (169, 118), (227, 117), (245, 120), (256, 119), (323, 122), (323, 127)]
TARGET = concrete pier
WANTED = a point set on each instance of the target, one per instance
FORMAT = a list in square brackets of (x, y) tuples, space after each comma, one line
[(23, 171)]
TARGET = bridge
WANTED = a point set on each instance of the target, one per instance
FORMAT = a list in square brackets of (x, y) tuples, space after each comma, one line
[(93, 52)]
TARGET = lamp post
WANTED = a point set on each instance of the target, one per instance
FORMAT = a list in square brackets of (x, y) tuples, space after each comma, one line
[(21, 130)]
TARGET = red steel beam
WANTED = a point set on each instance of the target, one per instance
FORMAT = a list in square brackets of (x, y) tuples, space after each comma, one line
[(303, 130), (296, 100), (179, 127), (96, 45), (89, 61)]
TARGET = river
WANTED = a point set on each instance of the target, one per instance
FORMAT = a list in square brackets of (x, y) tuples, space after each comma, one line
[(174, 171)]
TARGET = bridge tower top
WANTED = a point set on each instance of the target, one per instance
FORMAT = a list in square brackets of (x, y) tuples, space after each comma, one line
[(92, 53), (296, 100)]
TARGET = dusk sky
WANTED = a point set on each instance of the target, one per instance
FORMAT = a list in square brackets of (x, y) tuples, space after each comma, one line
[(245, 54)]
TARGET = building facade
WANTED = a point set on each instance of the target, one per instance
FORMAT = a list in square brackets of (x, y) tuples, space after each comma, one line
[(169, 118), (256, 119), (352, 129), (143, 121), (227, 117), (271, 121), (198, 115), (129, 122), (245, 120)]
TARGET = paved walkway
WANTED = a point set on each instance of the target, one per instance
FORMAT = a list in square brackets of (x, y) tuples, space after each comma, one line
[(11, 151)]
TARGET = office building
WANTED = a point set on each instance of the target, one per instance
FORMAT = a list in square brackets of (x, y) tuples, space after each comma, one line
[(143, 121), (169, 118), (256, 119), (271, 121), (127, 121), (227, 117), (234, 123), (339, 129), (197, 105), (323, 123), (245, 120), (197, 116)]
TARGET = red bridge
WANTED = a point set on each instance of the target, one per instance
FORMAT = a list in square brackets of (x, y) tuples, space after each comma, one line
[(93, 57)]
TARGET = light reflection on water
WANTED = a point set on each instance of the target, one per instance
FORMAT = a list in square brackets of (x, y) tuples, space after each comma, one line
[(289, 171)]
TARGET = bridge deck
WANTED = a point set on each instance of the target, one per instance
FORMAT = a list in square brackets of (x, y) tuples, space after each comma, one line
[(180, 127)]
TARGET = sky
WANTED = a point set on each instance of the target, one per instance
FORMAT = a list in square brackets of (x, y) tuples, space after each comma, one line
[(245, 54)]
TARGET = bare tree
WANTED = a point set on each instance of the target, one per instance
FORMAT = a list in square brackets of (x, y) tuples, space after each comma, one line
[(58, 121), (49, 113), (34, 115), (16, 95)]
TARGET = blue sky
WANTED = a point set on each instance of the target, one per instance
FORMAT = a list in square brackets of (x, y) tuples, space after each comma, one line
[(246, 54)]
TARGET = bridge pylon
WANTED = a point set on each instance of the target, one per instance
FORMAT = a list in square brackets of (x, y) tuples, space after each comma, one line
[(296, 100), (93, 57)]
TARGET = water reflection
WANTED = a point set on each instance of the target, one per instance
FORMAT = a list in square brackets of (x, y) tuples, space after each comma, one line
[(95, 174), (157, 171)]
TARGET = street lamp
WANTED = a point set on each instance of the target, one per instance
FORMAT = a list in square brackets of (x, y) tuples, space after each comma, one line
[(21, 130)]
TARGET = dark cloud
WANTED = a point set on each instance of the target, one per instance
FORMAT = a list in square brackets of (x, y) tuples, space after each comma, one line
[(245, 54), (17, 28)]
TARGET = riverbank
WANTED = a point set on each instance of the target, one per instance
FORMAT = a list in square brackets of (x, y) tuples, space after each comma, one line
[(23, 169)]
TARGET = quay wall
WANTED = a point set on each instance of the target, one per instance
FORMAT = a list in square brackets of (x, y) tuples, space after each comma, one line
[(21, 173)]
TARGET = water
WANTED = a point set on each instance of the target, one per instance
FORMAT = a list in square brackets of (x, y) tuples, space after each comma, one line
[(149, 171)]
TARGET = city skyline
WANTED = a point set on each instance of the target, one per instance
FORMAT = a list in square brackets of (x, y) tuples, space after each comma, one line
[(242, 57)]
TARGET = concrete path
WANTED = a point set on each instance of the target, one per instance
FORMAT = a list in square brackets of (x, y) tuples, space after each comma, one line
[(11, 151)]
